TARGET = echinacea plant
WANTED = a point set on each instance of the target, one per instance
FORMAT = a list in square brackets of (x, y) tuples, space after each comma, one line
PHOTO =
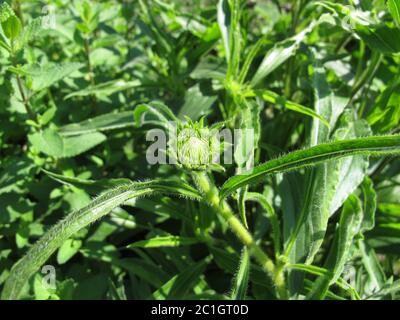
[(279, 177)]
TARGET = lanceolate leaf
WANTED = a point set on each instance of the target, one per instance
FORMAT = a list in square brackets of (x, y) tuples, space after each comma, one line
[(272, 97), (272, 217), (385, 115), (197, 103), (369, 258), (349, 225), (228, 16), (241, 280), (351, 171), (306, 227), (311, 215), (369, 205), (56, 236), (106, 122), (372, 146), (224, 25), (394, 9), (372, 266), (93, 187), (324, 272), (279, 54), (103, 90), (166, 241), (179, 285), (228, 261), (155, 113)]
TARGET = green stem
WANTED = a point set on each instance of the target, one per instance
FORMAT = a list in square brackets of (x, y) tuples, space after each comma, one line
[(25, 100), (21, 90), (211, 194), (367, 75), (90, 69)]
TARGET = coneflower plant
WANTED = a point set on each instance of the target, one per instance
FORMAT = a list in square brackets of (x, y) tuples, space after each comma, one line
[(200, 150)]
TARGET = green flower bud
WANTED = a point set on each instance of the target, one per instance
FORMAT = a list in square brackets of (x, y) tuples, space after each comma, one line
[(196, 146)]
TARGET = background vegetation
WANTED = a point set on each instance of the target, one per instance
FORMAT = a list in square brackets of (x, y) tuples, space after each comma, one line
[(77, 77)]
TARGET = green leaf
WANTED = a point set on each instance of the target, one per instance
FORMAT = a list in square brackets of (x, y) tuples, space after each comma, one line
[(67, 250), (272, 97), (14, 173), (166, 241), (390, 288), (369, 205), (349, 226), (228, 261), (394, 9), (53, 144), (331, 183), (381, 37), (48, 142), (48, 115), (271, 215), (228, 16), (318, 271), (105, 122), (385, 114), (351, 171), (223, 17), (44, 76), (372, 146), (197, 103), (12, 27), (103, 90), (306, 228), (371, 264), (281, 52), (146, 270), (157, 114), (91, 186), (378, 36), (247, 140), (75, 221), (77, 145), (178, 286), (241, 279), (41, 292), (29, 33)]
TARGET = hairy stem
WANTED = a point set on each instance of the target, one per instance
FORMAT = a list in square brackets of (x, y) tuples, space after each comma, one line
[(211, 194), (368, 146)]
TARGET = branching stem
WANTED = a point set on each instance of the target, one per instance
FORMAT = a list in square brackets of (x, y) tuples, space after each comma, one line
[(24, 97), (211, 194)]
